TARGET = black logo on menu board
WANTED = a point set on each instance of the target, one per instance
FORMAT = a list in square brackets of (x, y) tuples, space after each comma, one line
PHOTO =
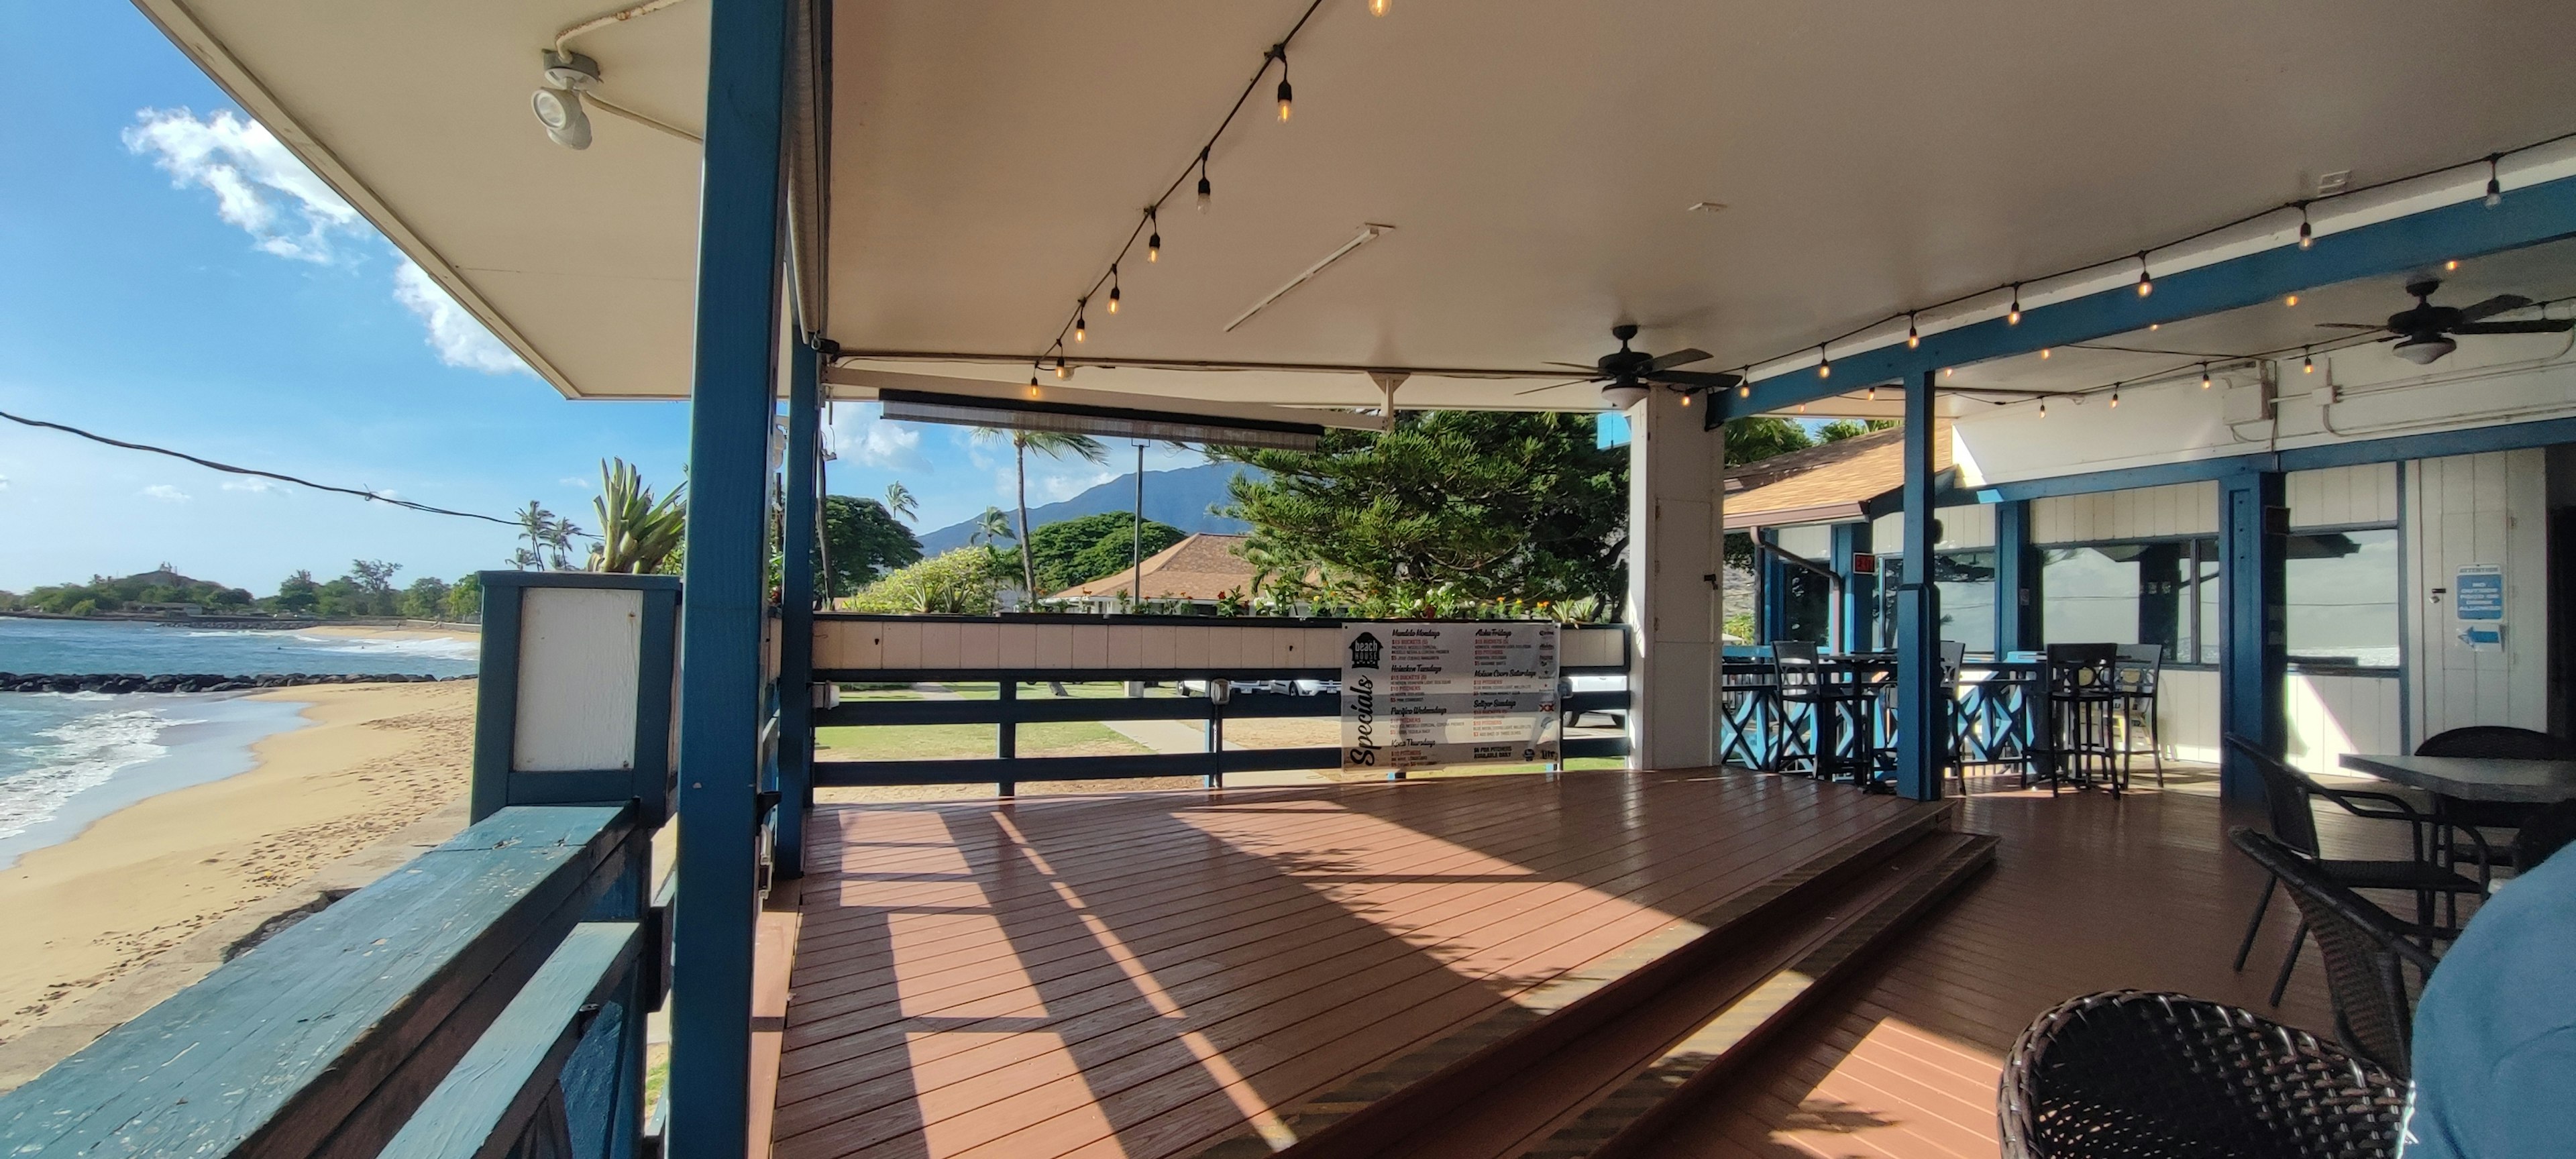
[(1364, 650)]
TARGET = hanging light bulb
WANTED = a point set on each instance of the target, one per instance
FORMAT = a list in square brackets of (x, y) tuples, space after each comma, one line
[(2012, 317), (2146, 285), (2307, 361), (1744, 391), (1078, 324), (2045, 351), (1870, 395), (1286, 94), (1033, 384), (1113, 287), (1154, 243), (1947, 371), (2292, 300), (1744, 383), (1377, 7), (2043, 408), (1204, 188), (2115, 396), (2495, 188), (2307, 236), (1686, 396), (2204, 376), (1802, 408), (1824, 366), (2451, 266), (1062, 371), (1912, 339)]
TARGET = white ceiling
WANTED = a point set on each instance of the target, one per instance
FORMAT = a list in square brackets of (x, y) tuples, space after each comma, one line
[(1534, 157)]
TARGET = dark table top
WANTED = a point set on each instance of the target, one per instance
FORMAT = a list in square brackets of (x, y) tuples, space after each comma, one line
[(2473, 778)]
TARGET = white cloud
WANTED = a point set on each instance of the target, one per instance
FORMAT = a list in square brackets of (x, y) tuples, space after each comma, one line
[(1060, 487), (258, 185), (878, 443), (254, 484), (458, 337), (165, 493), (4, 482), (578, 481)]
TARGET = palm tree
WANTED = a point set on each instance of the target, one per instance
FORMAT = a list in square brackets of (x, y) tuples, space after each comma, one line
[(899, 501), (636, 533), (559, 542), (536, 525), (992, 527), (1054, 445)]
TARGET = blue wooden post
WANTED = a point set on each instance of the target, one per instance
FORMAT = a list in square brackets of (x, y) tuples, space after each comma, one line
[(2253, 529), (796, 614), (1922, 717), (2016, 580), (732, 408), (1860, 592), (1771, 616)]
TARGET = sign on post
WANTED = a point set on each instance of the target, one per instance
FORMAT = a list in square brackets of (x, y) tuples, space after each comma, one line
[(1419, 695)]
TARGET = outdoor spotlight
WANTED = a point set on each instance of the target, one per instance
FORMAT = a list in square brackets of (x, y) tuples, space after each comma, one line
[(2426, 349), (558, 104), (1622, 393)]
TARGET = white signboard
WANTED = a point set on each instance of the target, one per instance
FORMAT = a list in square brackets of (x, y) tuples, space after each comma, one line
[(1417, 695)]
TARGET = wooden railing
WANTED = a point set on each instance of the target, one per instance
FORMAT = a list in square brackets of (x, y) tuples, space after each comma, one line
[(487, 998), (1210, 653)]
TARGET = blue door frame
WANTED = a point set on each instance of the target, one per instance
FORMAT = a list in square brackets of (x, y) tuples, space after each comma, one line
[(733, 407)]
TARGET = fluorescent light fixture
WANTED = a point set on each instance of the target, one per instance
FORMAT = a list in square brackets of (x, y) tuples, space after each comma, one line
[(1367, 234), (1101, 421)]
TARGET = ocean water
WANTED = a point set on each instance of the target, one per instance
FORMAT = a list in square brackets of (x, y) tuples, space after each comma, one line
[(68, 759)]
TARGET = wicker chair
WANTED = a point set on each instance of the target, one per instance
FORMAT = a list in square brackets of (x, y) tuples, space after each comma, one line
[(2129, 1074), (2366, 952)]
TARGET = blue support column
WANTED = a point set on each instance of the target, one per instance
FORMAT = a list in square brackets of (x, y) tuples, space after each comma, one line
[(796, 614), (2253, 529), (732, 407), (1771, 614), (2016, 580), (1860, 592), (1922, 712)]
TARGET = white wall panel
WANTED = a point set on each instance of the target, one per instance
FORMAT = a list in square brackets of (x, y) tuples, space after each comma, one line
[(2140, 513), (2333, 715), (2187, 716), (579, 649), (1963, 528), (2343, 496), (2483, 509)]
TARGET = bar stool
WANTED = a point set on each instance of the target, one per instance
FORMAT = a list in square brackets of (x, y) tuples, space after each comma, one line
[(2081, 697), (1828, 704), (2136, 671)]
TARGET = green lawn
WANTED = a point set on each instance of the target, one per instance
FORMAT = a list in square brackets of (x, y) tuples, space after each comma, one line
[(934, 742)]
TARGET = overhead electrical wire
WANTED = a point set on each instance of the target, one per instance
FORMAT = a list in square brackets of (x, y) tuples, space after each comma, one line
[(2494, 196), (228, 468)]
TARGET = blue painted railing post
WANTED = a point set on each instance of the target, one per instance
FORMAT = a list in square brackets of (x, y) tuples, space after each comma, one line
[(1860, 591), (796, 614), (2016, 580), (2253, 530), (731, 411), (1922, 717)]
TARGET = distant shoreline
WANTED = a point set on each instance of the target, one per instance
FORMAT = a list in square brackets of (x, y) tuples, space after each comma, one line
[(371, 628)]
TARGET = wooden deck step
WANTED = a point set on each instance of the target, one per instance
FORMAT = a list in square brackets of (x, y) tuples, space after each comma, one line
[(1516, 1080)]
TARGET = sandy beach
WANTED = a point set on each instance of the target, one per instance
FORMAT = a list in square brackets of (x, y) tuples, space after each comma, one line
[(465, 634), (97, 910)]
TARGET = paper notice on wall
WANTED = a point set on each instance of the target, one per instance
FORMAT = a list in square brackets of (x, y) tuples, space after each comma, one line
[(1417, 695), (2477, 601)]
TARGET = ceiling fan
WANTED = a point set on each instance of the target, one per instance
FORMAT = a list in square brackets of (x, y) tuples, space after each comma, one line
[(2424, 333), (1625, 375)]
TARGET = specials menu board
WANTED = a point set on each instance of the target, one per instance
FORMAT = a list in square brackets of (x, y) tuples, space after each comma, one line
[(1418, 695)]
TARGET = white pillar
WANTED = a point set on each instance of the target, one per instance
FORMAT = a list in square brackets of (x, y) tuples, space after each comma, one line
[(1675, 470)]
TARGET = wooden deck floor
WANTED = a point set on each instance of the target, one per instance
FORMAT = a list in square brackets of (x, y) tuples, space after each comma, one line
[(1147, 974), (2088, 893)]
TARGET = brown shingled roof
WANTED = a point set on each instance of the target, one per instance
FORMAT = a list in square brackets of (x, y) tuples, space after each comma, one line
[(1201, 567), (1825, 484)]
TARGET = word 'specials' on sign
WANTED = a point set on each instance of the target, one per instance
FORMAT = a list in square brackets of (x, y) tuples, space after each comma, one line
[(1417, 695)]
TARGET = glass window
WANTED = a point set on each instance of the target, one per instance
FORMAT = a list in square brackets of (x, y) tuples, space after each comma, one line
[(2118, 593), (2341, 588), (1966, 583), (1807, 607), (2211, 601)]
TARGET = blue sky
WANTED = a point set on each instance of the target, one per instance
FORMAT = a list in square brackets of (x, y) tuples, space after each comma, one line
[(169, 275)]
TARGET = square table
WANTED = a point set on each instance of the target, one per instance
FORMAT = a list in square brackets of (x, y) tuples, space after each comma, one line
[(2473, 778)]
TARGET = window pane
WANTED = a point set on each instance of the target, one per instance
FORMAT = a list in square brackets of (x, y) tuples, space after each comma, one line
[(1808, 604), (2342, 595), (2211, 596), (1966, 581), (2113, 593)]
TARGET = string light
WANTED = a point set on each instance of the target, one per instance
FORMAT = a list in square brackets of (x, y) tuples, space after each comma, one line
[(1802, 408), (1078, 323), (2045, 351), (2043, 408), (2204, 376), (1870, 395), (2012, 317), (2450, 266), (1286, 94), (1744, 383), (1377, 7), (2115, 396), (1113, 287), (2307, 361), (2495, 188), (2307, 236), (2146, 285), (2292, 300), (1062, 371), (1824, 366), (1912, 339), (1153, 244), (1686, 396), (1204, 188), (1947, 371)]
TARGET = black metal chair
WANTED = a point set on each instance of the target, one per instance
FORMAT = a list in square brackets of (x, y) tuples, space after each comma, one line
[(1831, 710), (2128, 1074), (2365, 950), (2288, 800), (2081, 696), (2136, 672)]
